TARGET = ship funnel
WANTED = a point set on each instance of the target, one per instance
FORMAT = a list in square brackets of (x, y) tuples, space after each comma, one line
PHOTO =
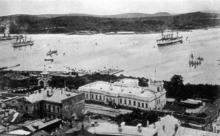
[(7, 31)]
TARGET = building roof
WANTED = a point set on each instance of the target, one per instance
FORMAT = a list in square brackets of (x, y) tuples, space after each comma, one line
[(20, 132), (169, 123), (55, 95), (14, 118), (41, 133), (183, 131), (112, 129), (190, 101), (81, 132), (44, 72), (170, 99), (127, 82), (40, 124), (105, 87)]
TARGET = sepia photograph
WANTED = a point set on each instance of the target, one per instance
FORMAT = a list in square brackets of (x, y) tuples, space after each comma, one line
[(109, 68)]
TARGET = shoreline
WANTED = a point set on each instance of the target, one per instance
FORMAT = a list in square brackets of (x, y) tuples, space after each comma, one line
[(135, 33)]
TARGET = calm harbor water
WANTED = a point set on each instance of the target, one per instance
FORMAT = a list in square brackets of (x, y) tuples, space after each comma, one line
[(138, 55)]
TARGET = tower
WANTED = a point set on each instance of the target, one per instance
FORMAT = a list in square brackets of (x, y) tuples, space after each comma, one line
[(44, 78)]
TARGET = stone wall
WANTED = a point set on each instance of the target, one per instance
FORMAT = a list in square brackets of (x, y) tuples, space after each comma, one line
[(73, 106)]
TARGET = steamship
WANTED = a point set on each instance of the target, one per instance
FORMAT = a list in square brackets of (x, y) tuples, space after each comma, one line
[(168, 39), (20, 42), (7, 34)]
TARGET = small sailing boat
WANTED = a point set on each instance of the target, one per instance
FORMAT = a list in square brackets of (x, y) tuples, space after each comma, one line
[(51, 52), (49, 58)]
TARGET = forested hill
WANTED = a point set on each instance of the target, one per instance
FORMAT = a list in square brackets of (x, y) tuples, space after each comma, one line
[(76, 22)]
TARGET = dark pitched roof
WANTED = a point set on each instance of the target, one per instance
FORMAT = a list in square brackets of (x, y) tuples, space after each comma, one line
[(14, 118)]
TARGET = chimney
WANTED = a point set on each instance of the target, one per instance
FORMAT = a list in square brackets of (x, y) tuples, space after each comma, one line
[(48, 93), (147, 123), (139, 127), (82, 127), (155, 125), (176, 128), (119, 128), (7, 129), (61, 126)]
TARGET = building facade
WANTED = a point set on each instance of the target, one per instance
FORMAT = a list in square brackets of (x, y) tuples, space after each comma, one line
[(127, 93), (53, 103)]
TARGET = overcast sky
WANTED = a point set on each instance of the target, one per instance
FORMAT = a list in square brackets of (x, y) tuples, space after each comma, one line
[(104, 7)]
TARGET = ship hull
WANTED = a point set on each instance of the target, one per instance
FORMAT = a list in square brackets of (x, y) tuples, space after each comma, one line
[(5, 38), (28, 43), (49, 60), (51, 52), (170, 43)]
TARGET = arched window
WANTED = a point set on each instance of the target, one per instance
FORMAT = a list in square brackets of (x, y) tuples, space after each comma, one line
[(100, 97)]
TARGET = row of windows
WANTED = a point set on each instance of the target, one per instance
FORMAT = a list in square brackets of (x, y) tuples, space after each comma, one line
[(95, 97), (51, 107), (139, 104)]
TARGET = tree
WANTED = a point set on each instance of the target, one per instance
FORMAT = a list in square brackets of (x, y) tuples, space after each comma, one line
[(177, 80)]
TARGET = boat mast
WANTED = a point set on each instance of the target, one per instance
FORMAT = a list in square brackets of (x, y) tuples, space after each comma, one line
[(25, 37)]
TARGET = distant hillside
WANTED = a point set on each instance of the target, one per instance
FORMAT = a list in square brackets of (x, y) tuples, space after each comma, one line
[(211, 11), (60, 15), (137, 15), (137, 22), (126, 15)]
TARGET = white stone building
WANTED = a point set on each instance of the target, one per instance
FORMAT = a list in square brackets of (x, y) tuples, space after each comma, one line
[(127, 93)]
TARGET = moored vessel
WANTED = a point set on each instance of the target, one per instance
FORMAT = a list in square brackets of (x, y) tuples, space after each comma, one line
[(168, 39), (20, 42)]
